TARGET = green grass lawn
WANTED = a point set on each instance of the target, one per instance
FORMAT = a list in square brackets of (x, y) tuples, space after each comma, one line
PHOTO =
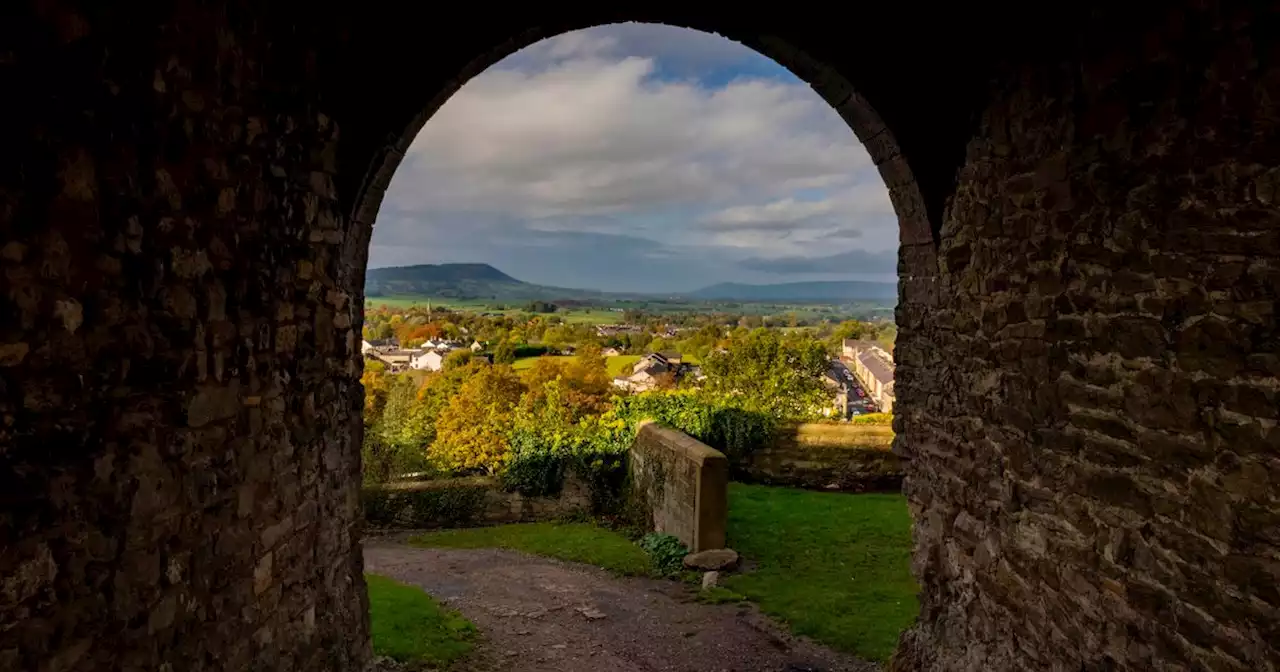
[(574, 542), (411, 627), (835, 567)]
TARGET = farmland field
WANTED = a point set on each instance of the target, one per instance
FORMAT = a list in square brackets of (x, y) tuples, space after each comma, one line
[(573, 315), (618, 365), (610, 312)]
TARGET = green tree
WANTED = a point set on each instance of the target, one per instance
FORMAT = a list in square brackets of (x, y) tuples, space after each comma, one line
[(767, 373), (505, 353)]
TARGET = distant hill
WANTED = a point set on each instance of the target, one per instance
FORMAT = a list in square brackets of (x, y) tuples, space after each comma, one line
[(801, 291), (463, 281), (482, 281)]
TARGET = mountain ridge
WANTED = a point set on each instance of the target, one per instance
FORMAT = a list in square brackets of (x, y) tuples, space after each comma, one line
[(484, 281)]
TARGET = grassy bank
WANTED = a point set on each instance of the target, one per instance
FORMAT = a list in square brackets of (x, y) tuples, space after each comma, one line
[(409, 626), (835, 567)]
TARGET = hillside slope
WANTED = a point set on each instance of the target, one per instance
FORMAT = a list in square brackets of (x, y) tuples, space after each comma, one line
[(462, 281)]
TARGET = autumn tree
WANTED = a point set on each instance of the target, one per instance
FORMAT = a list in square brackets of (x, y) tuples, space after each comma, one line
[(457, 358), (585, 385), (472, 430)]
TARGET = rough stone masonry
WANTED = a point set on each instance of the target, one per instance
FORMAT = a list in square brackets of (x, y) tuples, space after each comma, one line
[(1087, 359)]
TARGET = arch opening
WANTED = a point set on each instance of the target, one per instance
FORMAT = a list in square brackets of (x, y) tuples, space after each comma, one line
[(406, 180)]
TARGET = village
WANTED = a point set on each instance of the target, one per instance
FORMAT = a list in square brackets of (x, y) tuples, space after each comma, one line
[(859, 377)]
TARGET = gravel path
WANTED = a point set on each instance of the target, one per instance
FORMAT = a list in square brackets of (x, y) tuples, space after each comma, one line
[(540, 614)]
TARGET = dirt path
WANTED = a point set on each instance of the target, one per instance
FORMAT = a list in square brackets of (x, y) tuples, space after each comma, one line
[(542, 614)]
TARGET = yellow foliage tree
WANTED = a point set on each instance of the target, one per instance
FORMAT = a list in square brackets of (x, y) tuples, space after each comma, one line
[(376, 382), (585, 385), (471, 432)]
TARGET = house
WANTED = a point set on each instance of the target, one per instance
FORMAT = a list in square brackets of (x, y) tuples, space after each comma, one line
[(396, 360), (378, 344), (611, 352), (874, 369), (607, 330), (672, 357), (850, 347), (645, 373), (653, 363), (476, 346), (430, 360)]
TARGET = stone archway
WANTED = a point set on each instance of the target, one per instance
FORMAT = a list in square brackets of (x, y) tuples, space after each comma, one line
[(1087, 391)]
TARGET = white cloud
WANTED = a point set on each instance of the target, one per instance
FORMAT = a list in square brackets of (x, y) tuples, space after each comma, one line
[(578, 133)]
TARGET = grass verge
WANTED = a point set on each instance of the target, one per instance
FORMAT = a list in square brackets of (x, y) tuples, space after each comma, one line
[(834, 567), (409, 626), (574, 542)]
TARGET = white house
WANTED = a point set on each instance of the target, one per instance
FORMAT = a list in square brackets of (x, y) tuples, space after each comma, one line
[(431, 360), (476, 346)]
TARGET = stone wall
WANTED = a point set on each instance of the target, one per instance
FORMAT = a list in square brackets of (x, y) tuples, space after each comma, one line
[(468, 502), (1087, 348), (826, 456), (1094, 450), (179, 364), (679, 486)]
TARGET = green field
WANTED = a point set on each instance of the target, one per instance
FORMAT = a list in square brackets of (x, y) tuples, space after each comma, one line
[(528, 362), (618, 365), (569, 316), (607, 312), (621, 364)]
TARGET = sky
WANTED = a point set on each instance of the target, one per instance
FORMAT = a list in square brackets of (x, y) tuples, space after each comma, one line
[(639, 157)]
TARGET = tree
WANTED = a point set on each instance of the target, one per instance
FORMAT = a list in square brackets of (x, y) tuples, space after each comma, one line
[(375, 381), (584, 385), (767, 373), (472, 430), (505, 353), (457, 358)]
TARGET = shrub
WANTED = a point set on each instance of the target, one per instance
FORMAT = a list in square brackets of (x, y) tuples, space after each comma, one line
[(665, 551), (712, 419)]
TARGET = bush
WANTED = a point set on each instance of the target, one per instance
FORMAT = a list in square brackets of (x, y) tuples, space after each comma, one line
[(665, 551), (594, 449), (709, 418)]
